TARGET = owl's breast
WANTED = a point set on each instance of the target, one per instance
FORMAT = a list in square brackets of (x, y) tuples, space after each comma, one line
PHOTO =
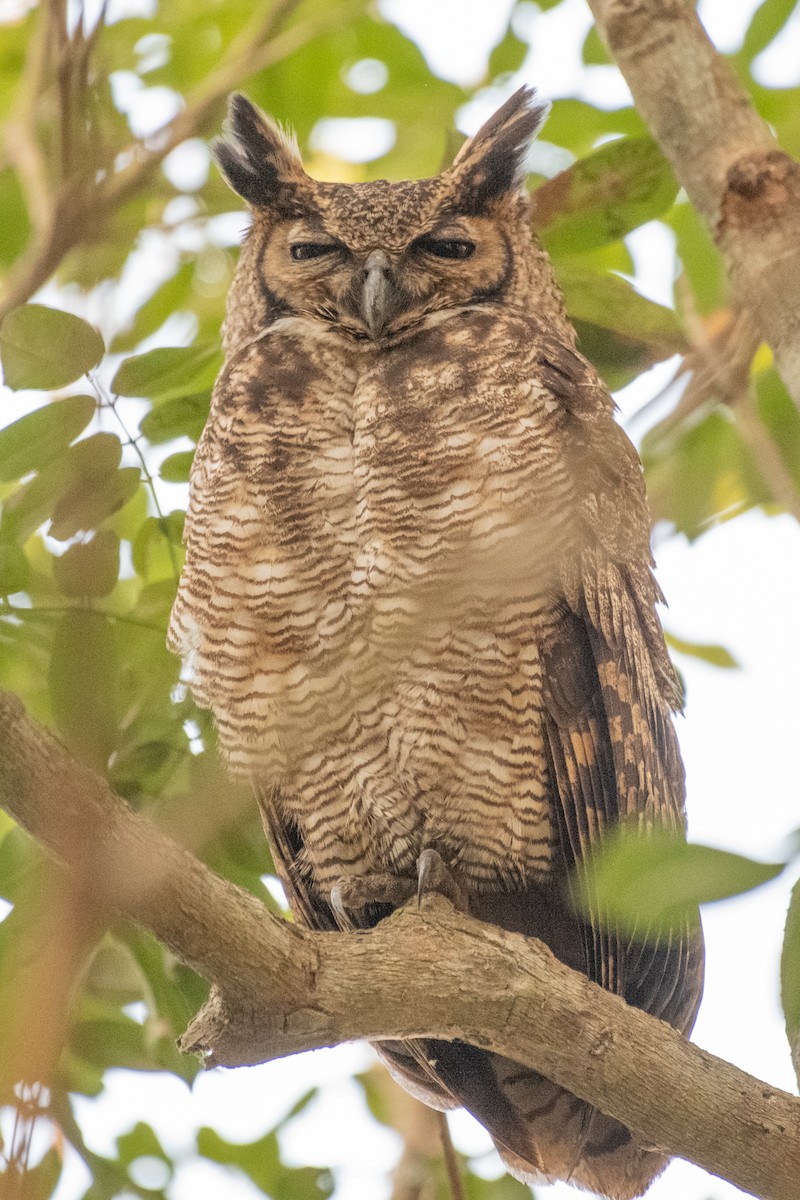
[(350, 505)]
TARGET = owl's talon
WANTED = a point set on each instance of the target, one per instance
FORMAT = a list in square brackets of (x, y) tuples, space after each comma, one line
[(433, 875), (343, 919)]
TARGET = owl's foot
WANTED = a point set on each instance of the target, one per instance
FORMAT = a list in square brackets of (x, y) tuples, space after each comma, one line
[(433, 875), (353, 894)]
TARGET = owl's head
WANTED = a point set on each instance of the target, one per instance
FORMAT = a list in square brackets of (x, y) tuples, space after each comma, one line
[(375, 258)]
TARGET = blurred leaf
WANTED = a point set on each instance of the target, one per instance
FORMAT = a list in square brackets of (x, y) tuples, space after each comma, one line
[(700, 472), (166, 300), (95, 487), (655, 880), (45, 348), (39, 1182), (508, 55), (781, 418), (614, 304), (504, 1188), (701, 261), (576, 125), (168, 373), (15, 226), (767, 22), (176, 468), (82, 681), (619, 330), (602, 197), (594, 52), (717, 656), (35, 439), (15, 571), (89, 568), (260, 1161), (156, 546), (184, 416), (790, 977), (140, 1142)]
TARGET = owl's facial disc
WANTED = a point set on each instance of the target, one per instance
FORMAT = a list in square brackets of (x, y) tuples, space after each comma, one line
[(379, 286)]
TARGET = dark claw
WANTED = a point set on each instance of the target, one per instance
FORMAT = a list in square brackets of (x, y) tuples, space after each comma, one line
[(433, 875)]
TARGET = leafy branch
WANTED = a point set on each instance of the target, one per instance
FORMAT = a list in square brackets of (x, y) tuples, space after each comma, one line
[(86, 191)]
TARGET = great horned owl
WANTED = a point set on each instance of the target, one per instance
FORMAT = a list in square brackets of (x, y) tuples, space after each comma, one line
[(418, 599)]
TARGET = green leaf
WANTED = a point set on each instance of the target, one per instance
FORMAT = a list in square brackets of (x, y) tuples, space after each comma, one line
[(700, 472), (790, 976), (702, 262), (613, 303), (184, 416), (15, 571), (95, 488), (602, 197), (40, 1181), (15, 227), (45, 348), (168, 373), (781, 418), (594, 50), (176, 468), (140, 1142), (166, 300), (156, 546), (35, 439), (508, 55), (768, 20), (656, 880), (717, 656), (89, 568), (260, 1160), (83, 684)]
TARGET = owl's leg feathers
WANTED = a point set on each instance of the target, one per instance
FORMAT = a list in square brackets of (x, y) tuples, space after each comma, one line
[(433, 875)]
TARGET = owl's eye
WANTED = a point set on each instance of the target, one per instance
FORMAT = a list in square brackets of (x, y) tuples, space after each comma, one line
[(446, 247), (302, 251)]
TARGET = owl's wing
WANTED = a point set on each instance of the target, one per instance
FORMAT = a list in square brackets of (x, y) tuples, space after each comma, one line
[(286, 846), (611, 691)]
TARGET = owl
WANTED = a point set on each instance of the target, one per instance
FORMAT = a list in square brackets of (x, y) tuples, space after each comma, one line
[(418, 598)]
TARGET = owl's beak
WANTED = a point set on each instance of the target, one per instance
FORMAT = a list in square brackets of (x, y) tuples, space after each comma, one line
[(380, 299)]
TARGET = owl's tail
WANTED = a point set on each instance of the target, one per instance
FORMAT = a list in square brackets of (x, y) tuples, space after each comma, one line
[(542, 1132)]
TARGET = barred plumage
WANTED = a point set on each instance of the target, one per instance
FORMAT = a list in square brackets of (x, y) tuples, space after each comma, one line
[(417, 594)]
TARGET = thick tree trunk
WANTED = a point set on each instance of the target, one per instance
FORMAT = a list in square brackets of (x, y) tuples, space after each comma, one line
[(723, 153)]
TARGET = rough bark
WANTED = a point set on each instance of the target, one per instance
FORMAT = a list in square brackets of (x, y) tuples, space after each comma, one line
[(278, 989), (723, 153)]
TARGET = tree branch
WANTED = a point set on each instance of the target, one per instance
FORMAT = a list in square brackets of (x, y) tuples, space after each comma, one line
[(83, 201), (279, 989), (723, 153)]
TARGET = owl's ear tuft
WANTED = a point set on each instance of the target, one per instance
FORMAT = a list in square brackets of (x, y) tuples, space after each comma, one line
[(489, 164), (257, 158)]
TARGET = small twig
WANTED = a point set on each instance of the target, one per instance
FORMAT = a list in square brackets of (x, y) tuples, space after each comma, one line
[(450, 1158), (106, 400), (13, 610)]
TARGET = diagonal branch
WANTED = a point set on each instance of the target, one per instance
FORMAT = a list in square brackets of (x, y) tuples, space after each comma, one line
[(746, 189), (279, 989)]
